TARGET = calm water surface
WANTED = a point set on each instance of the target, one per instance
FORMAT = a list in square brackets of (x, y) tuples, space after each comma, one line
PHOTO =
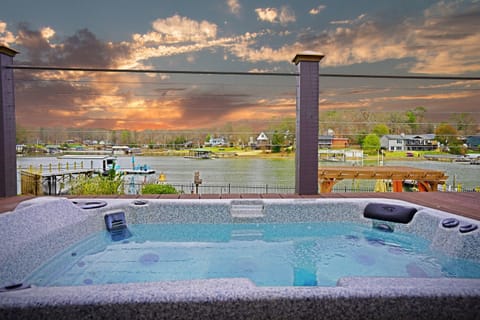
[(257, 171)]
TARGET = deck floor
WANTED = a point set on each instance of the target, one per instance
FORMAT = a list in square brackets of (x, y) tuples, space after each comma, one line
[(466, 204)]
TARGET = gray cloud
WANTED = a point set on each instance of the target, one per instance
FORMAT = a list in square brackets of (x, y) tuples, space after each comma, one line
[(36, 47), (83, 49), (207, 107), (42, 103)]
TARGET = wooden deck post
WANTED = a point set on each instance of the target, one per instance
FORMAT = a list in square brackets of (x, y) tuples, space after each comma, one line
[(397, 185), (326, 186), (422, 187), (427, 186), (306, 151), (8, 160)]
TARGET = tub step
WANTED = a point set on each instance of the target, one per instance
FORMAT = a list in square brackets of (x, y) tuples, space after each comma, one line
[(246, 235), (247, 209)]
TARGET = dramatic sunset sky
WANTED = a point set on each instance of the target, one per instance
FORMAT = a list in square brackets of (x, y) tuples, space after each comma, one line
[(356, 36)]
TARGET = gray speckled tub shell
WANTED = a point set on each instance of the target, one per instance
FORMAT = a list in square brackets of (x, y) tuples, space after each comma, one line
[(40, 228)]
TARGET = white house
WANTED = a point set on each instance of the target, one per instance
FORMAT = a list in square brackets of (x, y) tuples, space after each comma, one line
[(408, 142), (262, 140), (217, 142)]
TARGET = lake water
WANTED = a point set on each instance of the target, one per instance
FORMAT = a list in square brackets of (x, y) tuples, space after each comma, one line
[(259, 171)]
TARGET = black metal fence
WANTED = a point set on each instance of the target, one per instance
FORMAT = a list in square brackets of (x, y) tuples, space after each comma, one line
[(229, 188), (266, 188), (353, 189), (32, 184)]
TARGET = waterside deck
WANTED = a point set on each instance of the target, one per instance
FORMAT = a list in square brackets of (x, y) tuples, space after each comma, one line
[(465, 204)]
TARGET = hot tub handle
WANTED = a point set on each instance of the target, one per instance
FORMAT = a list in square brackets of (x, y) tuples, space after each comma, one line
[(15, 287), (91, 204)]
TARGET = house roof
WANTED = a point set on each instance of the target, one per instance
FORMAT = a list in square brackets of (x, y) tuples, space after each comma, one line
[(262, 137), (473, 139), (325, 137), (428, 136)]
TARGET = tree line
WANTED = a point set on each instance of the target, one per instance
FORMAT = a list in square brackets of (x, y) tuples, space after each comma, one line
[(355, 125)]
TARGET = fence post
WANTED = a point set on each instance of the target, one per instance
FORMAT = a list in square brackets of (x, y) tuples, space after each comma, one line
[(8, 150), (306, 151)]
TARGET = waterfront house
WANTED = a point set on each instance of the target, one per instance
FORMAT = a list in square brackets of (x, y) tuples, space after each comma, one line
[(325, 142), (473, 142), (217, 142), (262, 140), (339, 143), (408, 142), (332, 142)]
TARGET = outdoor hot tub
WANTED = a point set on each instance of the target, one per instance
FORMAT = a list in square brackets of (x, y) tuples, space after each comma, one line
[(238, 258)]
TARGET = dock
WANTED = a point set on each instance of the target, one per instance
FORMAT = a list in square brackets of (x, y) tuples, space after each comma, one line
[(200, 154), (340, 155), (471, 158), (49, 182)]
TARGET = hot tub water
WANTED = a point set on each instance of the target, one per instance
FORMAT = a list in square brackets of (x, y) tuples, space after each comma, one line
[(277, 254)]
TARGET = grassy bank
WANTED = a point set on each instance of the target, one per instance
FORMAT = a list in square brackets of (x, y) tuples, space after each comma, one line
[(247, 153)]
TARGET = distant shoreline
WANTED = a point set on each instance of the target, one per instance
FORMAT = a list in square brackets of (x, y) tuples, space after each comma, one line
[(240, 154)]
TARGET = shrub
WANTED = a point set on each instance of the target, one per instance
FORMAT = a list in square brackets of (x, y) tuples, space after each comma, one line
[(159, 189), (98, 185), (371, 144), (460, 150)]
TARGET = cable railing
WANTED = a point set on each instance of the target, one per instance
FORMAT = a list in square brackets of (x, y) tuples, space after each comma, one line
[(241, 73), (74, 97), (82, 95)]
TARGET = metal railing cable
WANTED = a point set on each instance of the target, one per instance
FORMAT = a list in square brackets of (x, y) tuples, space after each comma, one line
[(243, 73)]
